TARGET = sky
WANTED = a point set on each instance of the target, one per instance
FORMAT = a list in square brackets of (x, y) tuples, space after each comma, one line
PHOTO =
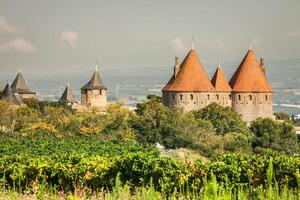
[(69, 36)]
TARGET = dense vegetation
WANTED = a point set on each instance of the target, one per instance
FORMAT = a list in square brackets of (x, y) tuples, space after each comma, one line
[(49, 146), (77, 164)]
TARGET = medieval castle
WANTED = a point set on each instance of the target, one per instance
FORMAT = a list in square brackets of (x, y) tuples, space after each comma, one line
[(93, 93), (190, 88), (248, 91)]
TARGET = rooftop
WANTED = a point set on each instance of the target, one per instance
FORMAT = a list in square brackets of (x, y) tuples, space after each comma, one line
[(191, 76)]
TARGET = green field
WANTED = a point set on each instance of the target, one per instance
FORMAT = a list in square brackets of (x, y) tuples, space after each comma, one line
[(83, 168)]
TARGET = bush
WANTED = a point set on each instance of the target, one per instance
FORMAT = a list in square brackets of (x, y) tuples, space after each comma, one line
[(273, 135), (223, 119)]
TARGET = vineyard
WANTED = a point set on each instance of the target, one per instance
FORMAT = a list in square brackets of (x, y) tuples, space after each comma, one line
[(102, 168), (48, 151)]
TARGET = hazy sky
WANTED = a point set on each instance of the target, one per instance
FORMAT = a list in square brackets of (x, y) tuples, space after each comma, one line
[(64, 36)]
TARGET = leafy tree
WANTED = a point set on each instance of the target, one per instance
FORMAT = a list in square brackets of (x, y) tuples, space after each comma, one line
[(223, 119), (40, 105), (151, 115), (7, 116), (118, 121), (283, 116), (237, 142), (277, 136), (25, 117), (57, 116), (184, 130)]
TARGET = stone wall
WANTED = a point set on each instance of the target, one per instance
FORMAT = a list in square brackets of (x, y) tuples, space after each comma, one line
[(252, 105), (193, 101), (188, 100), (94, 98), (223, 98), (248, 105), (27, 96)]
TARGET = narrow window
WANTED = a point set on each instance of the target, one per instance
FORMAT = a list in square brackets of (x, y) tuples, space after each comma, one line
[(192, 97), (181, 97), (173, 96), (217, 97), (239, 97), (208, 97), (100, 92), (266, 96), (250, 97), (230, 97)]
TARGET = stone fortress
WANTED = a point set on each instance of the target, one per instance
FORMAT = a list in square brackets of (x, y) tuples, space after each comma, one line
[(248, 91), (190, 88), (93, 93)]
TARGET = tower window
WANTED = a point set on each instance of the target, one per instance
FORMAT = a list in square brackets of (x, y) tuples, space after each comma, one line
[(250, 97), (208, 97), (173, 96), (192, 97), (266, 97), (230, 97), (240, 97), (217, 97), (100, 92), (181, 97)]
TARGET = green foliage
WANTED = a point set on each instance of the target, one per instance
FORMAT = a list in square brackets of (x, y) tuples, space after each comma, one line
[(7, 116), (69, 164), (151, 117), (25, 117), (224, 119), (283, 116), (277, 136)]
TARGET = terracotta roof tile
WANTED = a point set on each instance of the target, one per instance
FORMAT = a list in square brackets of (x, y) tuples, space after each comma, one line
[(249, 76), (191, 76), (220, 82)]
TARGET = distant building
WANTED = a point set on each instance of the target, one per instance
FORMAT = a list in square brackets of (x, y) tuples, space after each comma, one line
[(68, 96), (21, 87), (94, 93), (248, 91), (10, 96)]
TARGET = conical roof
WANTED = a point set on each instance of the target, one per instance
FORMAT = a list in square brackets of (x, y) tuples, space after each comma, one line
[(191, 76), (220, 82), (67, 95), (10, 96), (249, 76), (20, 85), (95, 83)]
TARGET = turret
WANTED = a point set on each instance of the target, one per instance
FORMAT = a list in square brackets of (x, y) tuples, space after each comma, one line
[(94, 93), (262, 65), (189, 87), (68, 96), (251, 92), (21, 87), (222, 94), (176, 67), (10, 96)]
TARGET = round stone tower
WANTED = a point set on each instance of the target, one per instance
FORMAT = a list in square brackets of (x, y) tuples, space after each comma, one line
[(222, 94), (251, 92), (189, 87), (94, 93)]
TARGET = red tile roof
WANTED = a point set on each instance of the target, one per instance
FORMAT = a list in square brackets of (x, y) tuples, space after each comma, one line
[(191, 77), (220, 82), (249, 76)]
